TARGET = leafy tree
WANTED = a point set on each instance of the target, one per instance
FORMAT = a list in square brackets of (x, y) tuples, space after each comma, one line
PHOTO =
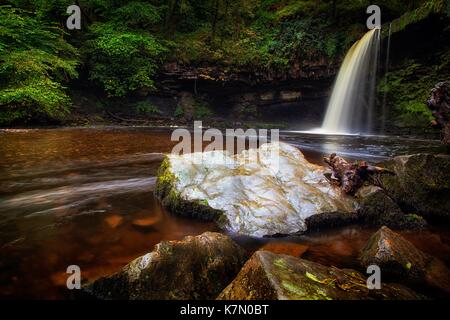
[(35, 61), (137, 14), (122, 60)]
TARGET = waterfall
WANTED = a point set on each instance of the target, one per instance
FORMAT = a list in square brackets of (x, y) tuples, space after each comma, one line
[(350, 109)]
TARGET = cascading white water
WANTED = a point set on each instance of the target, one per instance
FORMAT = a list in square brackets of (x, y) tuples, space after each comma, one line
[(350, 109)]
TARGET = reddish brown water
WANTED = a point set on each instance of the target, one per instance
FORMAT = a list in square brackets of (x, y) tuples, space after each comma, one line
[(85, 197)]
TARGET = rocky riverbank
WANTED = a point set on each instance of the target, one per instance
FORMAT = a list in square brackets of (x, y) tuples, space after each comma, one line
[(261, 199), (257, 200), (212, 266)]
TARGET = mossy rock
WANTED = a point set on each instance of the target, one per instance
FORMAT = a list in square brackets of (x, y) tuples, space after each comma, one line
[(376, 208), (270, 276), (194, 268), (421, 184), (265, 191), (171, 198), (428, 9), (400, 260)]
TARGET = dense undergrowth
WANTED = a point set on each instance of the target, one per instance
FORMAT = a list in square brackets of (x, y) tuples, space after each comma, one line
[(408, 85)]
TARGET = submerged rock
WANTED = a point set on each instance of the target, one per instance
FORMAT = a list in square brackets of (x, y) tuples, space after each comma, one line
[(378, 209), (273, 195), (194, 268), (399, 259), (285, 247), (267, 275), (421, 184)]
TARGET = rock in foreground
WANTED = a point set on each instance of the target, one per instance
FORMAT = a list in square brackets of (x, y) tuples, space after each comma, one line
[(421, 184), (399, 259), (257, 198), (272, 276), (194, 268)]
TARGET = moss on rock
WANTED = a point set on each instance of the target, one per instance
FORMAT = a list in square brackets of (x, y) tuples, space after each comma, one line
[(421, 184), (268, 275), (193, 268), (259, 192), (429, 8), (378, 209), (171, 198), (400, 260)]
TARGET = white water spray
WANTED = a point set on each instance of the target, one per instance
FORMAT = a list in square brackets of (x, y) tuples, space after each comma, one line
[(350, 109)]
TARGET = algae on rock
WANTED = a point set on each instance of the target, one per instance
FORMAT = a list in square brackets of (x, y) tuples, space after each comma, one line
[(272, 195), (270, 276), (194, 268)]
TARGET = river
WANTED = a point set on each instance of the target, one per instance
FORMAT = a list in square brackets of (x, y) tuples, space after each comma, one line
[(84, 196)]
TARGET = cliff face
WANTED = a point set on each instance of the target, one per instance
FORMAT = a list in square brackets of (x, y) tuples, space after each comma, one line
[(419, 58), (299, 93), (306, 70), (223, 93)]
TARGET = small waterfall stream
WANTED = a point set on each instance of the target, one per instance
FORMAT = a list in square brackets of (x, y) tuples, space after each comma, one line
[(350, 109)]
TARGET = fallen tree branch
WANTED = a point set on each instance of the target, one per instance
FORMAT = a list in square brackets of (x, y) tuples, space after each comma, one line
[(351, 176)]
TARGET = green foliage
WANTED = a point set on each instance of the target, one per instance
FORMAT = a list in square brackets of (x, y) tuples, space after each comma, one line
[(137, 14), (248, 111), (295, 8), (202, 111), (179, 112), (408, 87), (145, 107), (122, 60), (34, 62), (35, 98), (267, 34), (306, 38), (422, 12), (124, 43)]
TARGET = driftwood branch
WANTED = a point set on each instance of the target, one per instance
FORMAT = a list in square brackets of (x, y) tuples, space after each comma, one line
[(351, 176)]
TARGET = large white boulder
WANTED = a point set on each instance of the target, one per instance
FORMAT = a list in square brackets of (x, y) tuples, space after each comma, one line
[(265, 191)]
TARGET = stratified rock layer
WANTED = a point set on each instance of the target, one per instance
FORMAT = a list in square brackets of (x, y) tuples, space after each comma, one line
[(265, 191), (272, 276), (194, 268)]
